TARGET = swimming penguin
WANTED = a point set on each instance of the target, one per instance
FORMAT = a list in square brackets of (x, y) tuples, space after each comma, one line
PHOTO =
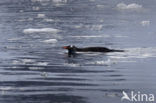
[(73, 49)]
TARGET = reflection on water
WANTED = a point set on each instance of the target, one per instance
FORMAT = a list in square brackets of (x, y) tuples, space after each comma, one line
[(34, 68)]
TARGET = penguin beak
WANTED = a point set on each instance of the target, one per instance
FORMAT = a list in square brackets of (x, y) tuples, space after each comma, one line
[(65, 47)]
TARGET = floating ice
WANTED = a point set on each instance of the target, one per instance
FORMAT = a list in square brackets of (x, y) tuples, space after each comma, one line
[(59, 1), (50, 41), (43, 30), (30, 19), (40, 0), (133, 6), (100, 6), (21, 11), (79, 26), (36, 68), (40, 15), (27, 60), (91, 36), (94, 27), (44, 74), (36, 8), (23, 61), (145, 23), (71, 64), (103, 62), (6, 88), (49, 20), (14, 39), (97, 27), (41, 63)]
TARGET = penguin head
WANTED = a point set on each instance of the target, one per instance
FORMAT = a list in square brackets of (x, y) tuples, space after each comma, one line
[(71, 49)]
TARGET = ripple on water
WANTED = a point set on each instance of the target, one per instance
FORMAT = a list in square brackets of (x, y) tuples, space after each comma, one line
[(132, 53)]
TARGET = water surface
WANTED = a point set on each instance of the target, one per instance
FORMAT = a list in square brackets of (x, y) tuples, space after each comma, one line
[(35, 69)]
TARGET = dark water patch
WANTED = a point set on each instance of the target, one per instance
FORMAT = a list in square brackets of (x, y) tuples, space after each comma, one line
[(55, 69), (61, 79), (41, 83), (17, 73), (46, 98)]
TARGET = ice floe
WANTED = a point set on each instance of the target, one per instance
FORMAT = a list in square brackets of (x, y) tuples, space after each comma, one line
[(145, 23), (50, 41), (91, 36), (100, 6), (40, 15), (71, 64), (132, 6), (59, 2), (36, 8), (49, 20), (39, 30), (40, 0)]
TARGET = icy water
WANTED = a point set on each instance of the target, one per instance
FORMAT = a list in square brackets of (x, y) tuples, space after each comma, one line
[(35, 69)]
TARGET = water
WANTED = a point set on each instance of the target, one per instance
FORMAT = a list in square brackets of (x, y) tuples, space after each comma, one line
[(35, 69)]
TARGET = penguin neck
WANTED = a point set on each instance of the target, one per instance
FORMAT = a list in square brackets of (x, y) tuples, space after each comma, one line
[(72, 51)]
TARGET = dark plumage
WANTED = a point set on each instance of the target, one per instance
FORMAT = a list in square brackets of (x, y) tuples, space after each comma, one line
[(73, 49)]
